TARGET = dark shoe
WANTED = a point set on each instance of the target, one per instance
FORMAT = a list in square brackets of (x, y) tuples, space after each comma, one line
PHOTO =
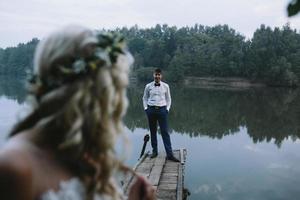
[(172, 158), (153, 155)]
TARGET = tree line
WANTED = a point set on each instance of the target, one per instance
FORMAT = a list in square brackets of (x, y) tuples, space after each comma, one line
[(271, 56), (18, 61)]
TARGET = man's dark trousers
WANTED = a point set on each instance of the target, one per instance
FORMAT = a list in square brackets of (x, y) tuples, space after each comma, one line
[(159, 114)]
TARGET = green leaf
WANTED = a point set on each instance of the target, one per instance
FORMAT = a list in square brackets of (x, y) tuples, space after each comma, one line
[(293, 8)]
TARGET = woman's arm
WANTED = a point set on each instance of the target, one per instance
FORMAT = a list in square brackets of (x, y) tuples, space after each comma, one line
[(15, 177), (141, 189)]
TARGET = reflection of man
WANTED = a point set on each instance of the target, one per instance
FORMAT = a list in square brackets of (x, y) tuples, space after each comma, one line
[(157, 103)]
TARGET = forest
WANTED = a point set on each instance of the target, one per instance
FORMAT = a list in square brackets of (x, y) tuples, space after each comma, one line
[(271, 56)]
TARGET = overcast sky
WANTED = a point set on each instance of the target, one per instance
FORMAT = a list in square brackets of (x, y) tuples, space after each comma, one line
[(22, 20)]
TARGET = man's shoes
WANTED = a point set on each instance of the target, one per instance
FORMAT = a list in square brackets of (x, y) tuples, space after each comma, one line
[(153, 155), (172, 158)]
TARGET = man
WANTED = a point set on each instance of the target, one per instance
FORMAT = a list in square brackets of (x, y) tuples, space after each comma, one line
[(157, 103)]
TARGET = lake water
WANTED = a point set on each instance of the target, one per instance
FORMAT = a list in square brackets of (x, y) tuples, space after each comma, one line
[(240, 144)]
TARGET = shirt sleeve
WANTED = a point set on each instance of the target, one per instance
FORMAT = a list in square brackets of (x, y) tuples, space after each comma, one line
[(145, 97), (168, 98)]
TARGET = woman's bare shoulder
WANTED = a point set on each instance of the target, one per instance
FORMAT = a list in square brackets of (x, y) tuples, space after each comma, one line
[(15, 173)]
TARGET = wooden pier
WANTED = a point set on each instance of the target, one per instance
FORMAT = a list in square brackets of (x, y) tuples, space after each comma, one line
[(166, 176)]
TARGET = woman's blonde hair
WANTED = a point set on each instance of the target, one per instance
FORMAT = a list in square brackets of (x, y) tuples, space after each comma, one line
[(79, 92)]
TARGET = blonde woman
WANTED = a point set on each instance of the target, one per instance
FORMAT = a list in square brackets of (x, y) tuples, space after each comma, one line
[(64, 149)]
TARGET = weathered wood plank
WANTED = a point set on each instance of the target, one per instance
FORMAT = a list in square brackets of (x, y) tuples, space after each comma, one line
[(168, 174), (145, 169), (168, 186), (168, 178), (129, 176), (155, 174), (167, 181), (182, 160), (179, 188), (171, 170), (165, 175), (156, 171), (166, 194)]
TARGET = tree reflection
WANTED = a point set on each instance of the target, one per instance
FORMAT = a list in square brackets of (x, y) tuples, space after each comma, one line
[(13, 88), (267, 113)]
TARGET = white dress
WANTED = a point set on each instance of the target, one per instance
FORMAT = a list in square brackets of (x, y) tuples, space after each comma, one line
[(72, 189)]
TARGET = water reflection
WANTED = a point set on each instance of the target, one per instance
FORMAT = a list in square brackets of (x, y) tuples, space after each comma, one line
[(13, 88), (230, 167), (266, 113)]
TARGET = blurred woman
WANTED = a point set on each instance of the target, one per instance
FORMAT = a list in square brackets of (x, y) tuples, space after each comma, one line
[(64, 149)]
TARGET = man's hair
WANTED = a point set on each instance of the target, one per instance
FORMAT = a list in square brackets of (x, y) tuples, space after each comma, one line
[(157, 70)]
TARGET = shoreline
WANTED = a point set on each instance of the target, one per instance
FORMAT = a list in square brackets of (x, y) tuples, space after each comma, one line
[(220, 82)]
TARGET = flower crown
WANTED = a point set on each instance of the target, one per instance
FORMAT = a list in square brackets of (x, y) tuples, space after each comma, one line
[(108, 47)]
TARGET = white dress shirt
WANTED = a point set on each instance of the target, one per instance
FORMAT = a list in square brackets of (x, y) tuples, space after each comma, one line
[(157, 95)]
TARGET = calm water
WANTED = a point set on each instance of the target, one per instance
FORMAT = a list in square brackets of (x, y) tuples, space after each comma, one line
[(241, 144)]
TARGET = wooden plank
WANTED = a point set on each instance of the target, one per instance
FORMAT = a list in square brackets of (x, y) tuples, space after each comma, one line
[(155, 174), (179, 189), (144, 169), (129, 177), (168, 186), (164, 194), (171, 173), (145, 175), (166, 176), (182, 160), (170, 169), (156, 171), (160, 159), (172, 164), (166, 181)]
